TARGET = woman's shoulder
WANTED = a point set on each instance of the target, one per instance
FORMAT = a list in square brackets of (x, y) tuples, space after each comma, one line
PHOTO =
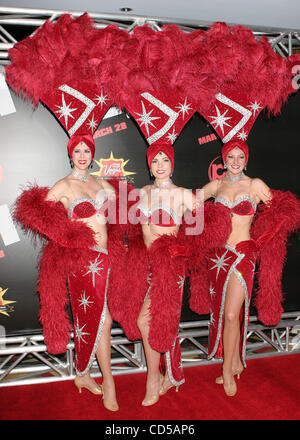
[(103, 184), (258, 185), (212, 188), (260, 190)]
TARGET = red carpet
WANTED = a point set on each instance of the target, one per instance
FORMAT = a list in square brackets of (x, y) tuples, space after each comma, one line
[(269, 389)]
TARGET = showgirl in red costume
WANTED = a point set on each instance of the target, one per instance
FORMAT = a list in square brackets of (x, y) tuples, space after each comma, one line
[(156, 270), (71, 216), (231, 268), (160, 215)]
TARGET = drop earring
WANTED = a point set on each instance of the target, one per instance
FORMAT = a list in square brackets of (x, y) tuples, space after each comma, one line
[(225, 166)]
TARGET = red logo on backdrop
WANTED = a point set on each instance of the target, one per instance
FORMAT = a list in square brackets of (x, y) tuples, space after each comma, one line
[(208, 138), (215, 169)]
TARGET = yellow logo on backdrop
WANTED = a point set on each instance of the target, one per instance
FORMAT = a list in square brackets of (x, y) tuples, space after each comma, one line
[(4, 304), (112, 167)]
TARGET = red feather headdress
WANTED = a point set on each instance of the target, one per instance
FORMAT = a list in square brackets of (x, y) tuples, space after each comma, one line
[(59, 66), (257, 78), (163, 79)]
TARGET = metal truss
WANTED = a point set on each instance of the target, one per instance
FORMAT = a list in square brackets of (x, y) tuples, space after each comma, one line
[(25, 360), (17, 23)]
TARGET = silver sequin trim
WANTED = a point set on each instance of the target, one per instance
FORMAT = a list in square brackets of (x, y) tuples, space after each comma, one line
[(165, 109), (239, 108), (100, 250), (231, 205), (148, 212), (90, 105), (169, 368), (97, 205)]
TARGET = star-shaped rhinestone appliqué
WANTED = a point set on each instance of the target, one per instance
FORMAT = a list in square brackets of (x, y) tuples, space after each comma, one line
[(180, 282), (84, 302), (172, 136), (92, 123), (101, 99), (211, 290), (80, 333), (242, 135), (184, 108), (220, 263), (255, 106), (146, 118), (94, 268), (65, 110), (220, 120)]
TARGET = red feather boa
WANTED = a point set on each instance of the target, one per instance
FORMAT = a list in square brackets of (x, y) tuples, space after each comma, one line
[(274, 223)]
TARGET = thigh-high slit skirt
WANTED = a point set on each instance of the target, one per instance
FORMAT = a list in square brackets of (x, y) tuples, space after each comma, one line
[(222, 263), (88, 296)]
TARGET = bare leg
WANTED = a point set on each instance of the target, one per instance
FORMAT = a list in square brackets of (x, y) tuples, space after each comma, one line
[(167, 384), (231, 334), (103, 355), (237, 366), (152, 357)]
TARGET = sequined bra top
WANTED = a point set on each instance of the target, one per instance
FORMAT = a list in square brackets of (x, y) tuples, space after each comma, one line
[(84, 207), (242, 205), (159, 215)]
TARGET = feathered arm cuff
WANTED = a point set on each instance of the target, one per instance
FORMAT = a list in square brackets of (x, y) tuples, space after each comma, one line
[(274, 222), (216, 230), (128, 291), (49, 219), (120, 220), (53, 298)]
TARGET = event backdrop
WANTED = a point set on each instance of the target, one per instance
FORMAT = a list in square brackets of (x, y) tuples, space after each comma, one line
[(34, 149)]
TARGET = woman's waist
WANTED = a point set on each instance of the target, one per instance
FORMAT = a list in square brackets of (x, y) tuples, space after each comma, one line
[(100, 233), (238, 234), (151, 233)]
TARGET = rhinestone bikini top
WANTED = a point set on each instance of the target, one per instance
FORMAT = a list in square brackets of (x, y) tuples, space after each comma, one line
[(159, 215), (242, 205), (84, 207)]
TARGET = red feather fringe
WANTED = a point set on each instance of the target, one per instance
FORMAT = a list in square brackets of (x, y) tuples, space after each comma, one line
[(282, 214)]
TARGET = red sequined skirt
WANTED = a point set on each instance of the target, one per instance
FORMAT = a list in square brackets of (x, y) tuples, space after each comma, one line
[(222, 262), (88, 295)]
